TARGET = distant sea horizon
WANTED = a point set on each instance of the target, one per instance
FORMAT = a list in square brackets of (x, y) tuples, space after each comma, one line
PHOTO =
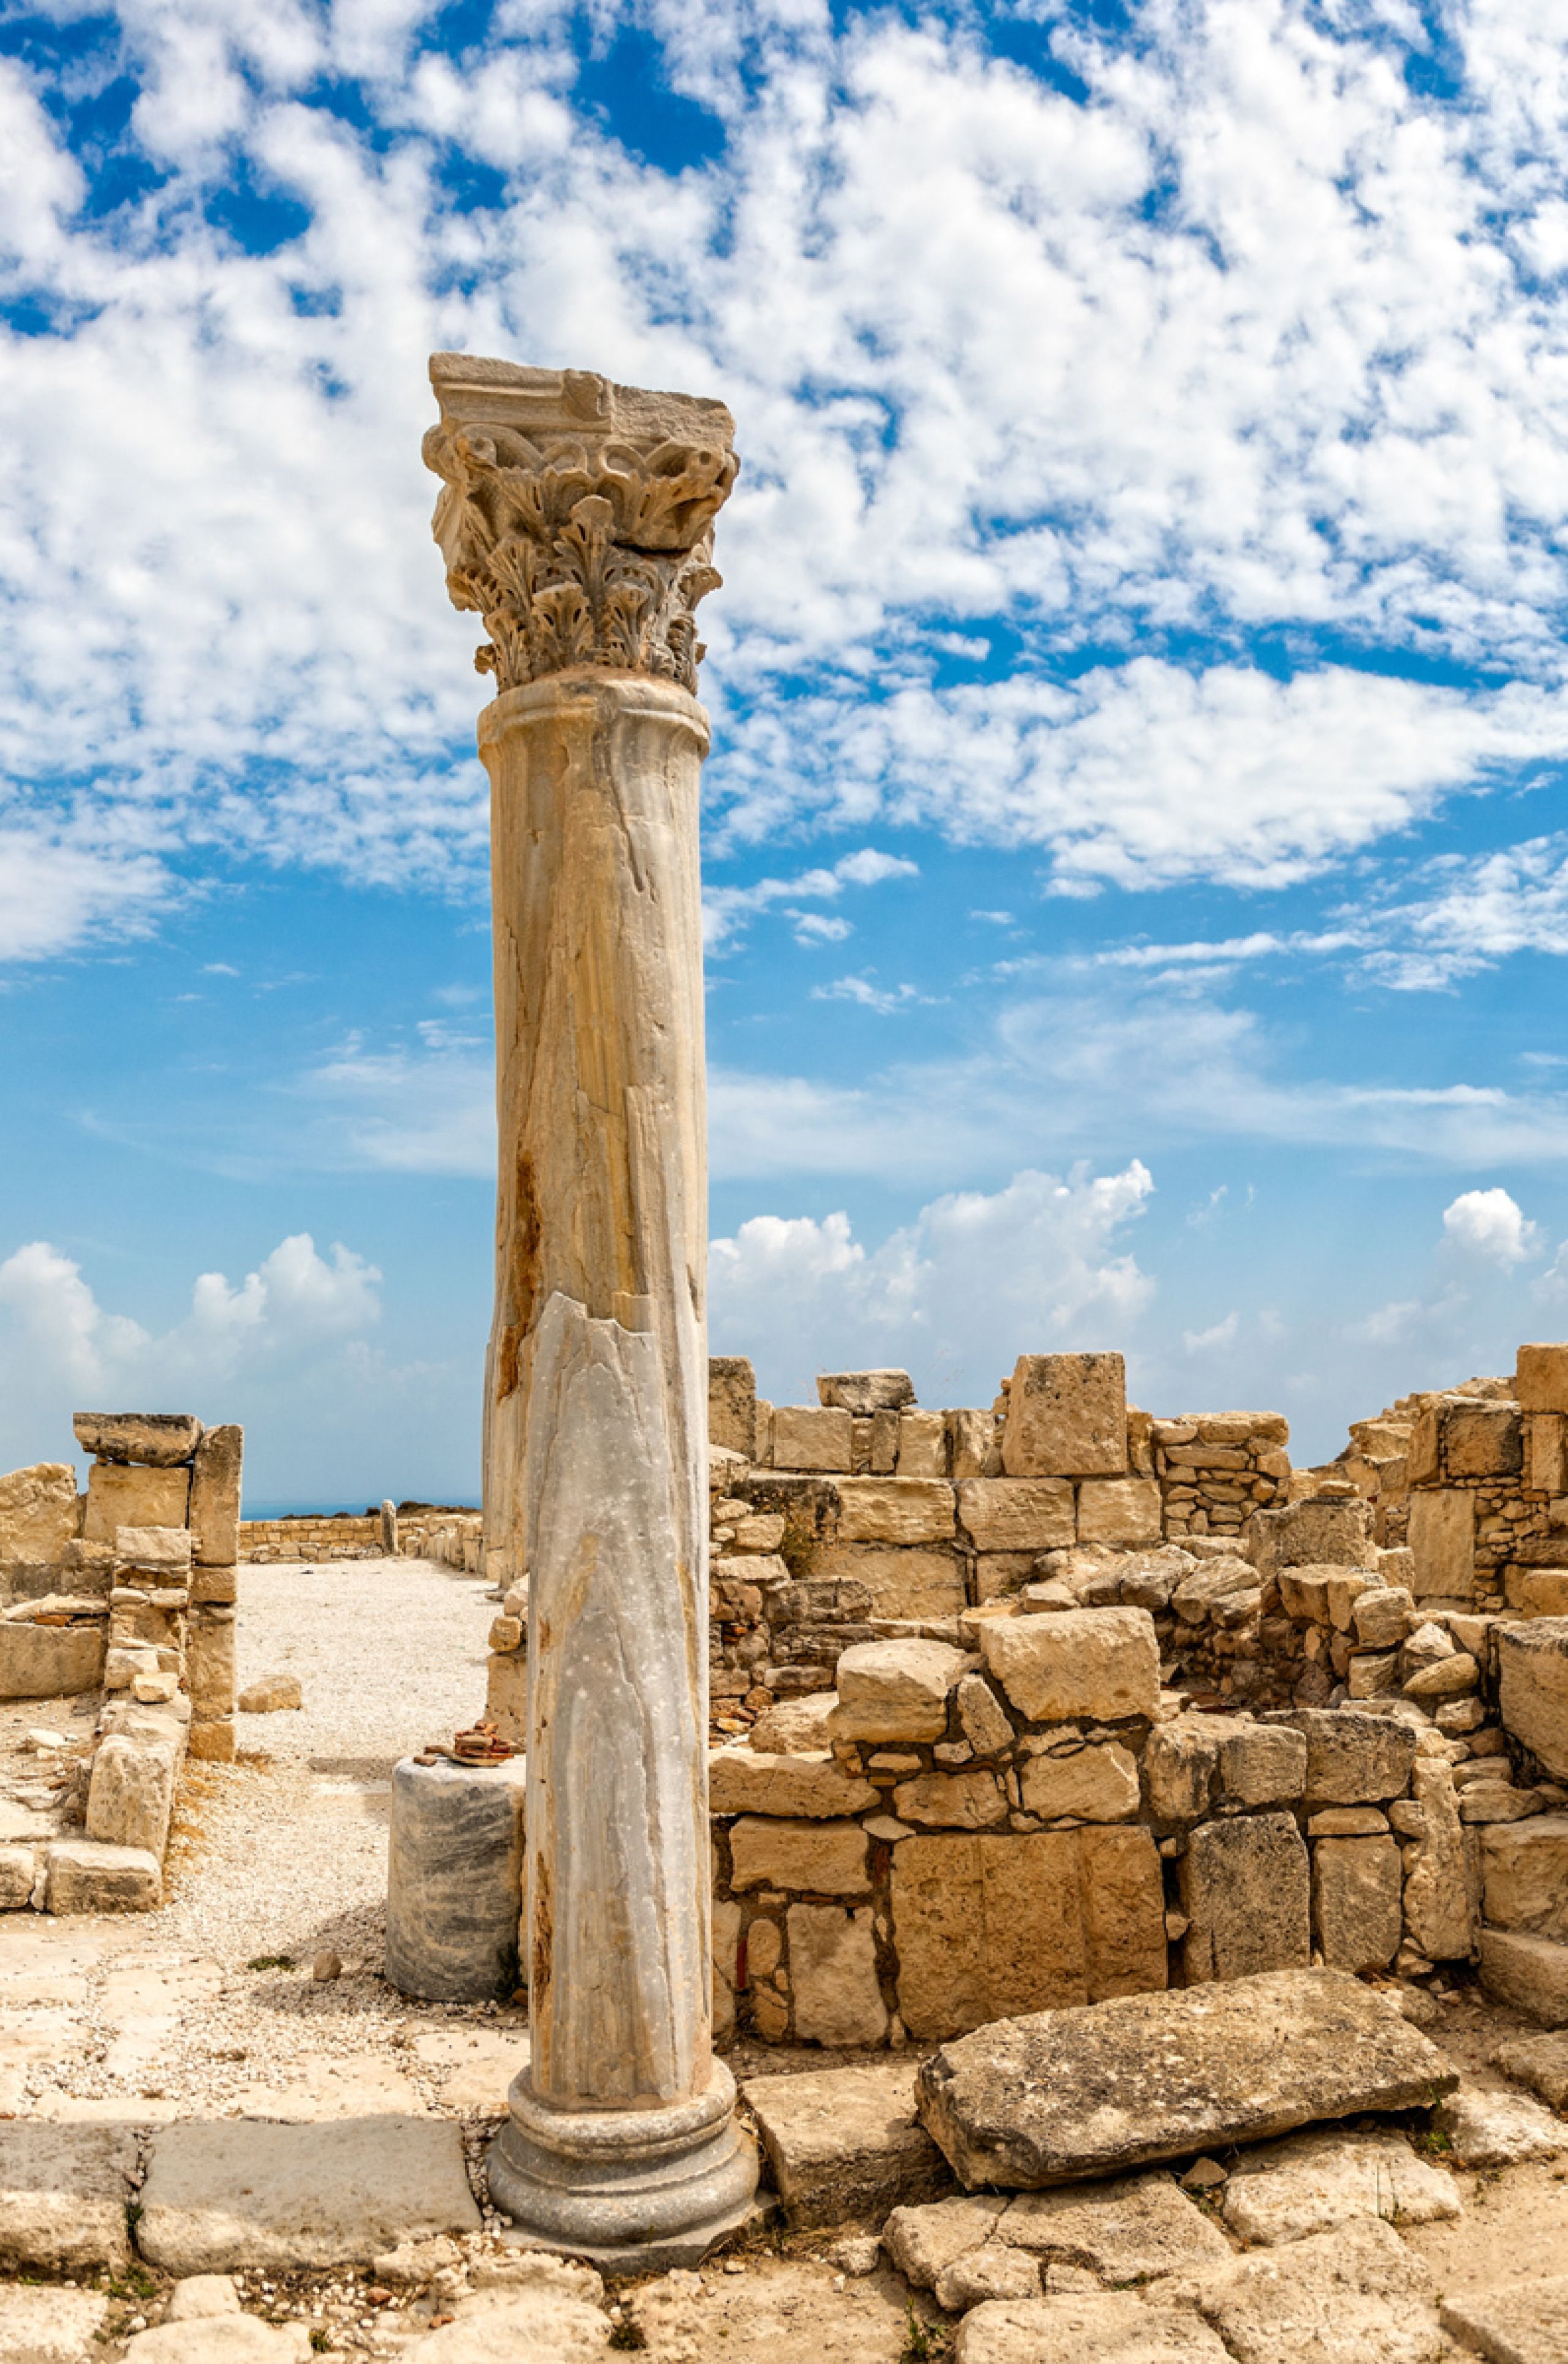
[(339, 1509)]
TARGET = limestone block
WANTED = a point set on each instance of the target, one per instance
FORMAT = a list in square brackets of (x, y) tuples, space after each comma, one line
[(1017, 1515), (1066, 1417), (1180, 1764), (1546, 1452), (1093, 1785), (41, 2324), (833, 1970), (1108, 2327), (806, 1786), (50, 1661), (159, 1440), (1262, 1763), (505, 1695), (1531, 1973), (1318, 1531), (1283, 2192), (804, 1858), (1482, 1440), (972, 1801), (132, 1794), (1382, 1616), (454, 1880), (163, 1553), (844, 2143), (865, 1393), (806, 1436), (16, 1869), (725, 1934), (1355, 1901), (895, 1510), (1132, 2229), (1123, 1900), (1541, 1380), (214, 1741), (983, 1717), (1443, 1537), (1345, 2297), (126, 1496), (209, 1663), (216, 1477), (1498, 2129), (1538, 1591), (1374, 1674), (1217, 1592), (732, 1404), (1439, 1918), (973, 1446), (1244, 1890), (922, 1445), (1084, 1662), (1001, 1576), (271, 1695), (40, 1514), (795, 1726), (1518, 2323), (1542, 2063), (1304, 1594), (915, 1581), (90, 1876), (1525, 1872), (1120, 1510), (1448, 1678), (1532, 1687), (63, 2195), (1353, 1758), (896, 1690), (1023, 2104)]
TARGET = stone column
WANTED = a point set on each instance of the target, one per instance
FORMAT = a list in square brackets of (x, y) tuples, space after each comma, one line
[(576, 519)]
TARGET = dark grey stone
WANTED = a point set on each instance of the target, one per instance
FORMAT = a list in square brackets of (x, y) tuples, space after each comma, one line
[(454, 1880)]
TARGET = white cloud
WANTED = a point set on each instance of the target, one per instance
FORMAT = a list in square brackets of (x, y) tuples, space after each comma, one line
[(726, 911), (1491, 1224), (883, 999), (53, 894), (1205, 1341)]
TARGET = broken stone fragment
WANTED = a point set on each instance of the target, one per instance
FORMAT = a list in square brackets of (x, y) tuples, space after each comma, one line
[(1531, 1973), (1103, 1663), (157, 1440), (844, 2143), (865, 1392), (271, 1695), (896, 1690), (1286, 2190), (1522, 2323), (1104, 2327), (1343, 2297), (1539, 2061), (1498, 2129)]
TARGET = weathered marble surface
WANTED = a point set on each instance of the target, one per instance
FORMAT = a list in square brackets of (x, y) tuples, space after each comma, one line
[(454, 1880)]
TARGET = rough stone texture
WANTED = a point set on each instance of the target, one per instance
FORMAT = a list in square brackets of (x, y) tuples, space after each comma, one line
[(844, 2143), (1539, 2061), (901, 1580), (454, 1880), (1245, 1892), (1066, 1417), (896, 1690), (1180, 1764), (1283, 2190), (272, 1695), (16, 1878), (1262, 1764), (732, 1404), (832, 1966), (209, 1663), (1120, 1510), (1317, 1532), (119, 1495), (227, 2339), (792, 1726), (159, 1440), (1525, 1871), (1085, 2093), (1524, 2322), (89, 1876), (747, 1781), (1439, 1920), (988, 1925), (865, 1392), (1355, 1901), (216, 1481), (1084, 1662), (989, 2273), (1531, 1973), (895, 1510), (63, 2194), (1532, 1687), (1356, 2295), (822, 1858), (163, 1552), (1498, 2129), (1009, 1514), (50, 1661), (1128, 2230), (132, 1794), (807, 1437), (42, 2326), (532, 2327), (38, 1513), (1483, 1440), (221, 2196), (1540, 1377), (983, 1717), (1443, 1537), (1352, 1758), (972, 1800), (1094, 1785), (1108, 2327)]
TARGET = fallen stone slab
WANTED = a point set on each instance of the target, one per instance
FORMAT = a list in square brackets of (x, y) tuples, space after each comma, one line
[(1356, 2295), (93, 1876), (1525, 2324), (1498, 2129), (1097, 2089), (50, 1661), (1531, 1973), (1133, 2229), (539, 2327), (1286, 2190), (63, 2195), (223, 2340), (1109, 2328), (1541, 2062), (40, 2325), (844, 2143), (247, 2192), (157, 1440)]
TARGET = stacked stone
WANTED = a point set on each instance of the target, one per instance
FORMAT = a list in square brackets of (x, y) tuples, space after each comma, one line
[(1488, 1504), (1523, 1867), (1215, 1469), (453, 1538)]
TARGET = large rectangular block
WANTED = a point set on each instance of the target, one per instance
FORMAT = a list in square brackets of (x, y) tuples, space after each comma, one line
[(1482, 1440), (1245, 1891), (896, 1690), (895, 1511), (1017, 1515), (1546, 1452), (1442, 1538), (1530, 1972), (216, 1477), (732, 1404), (1120, 1510), (1540, 1378), (1524, 1866), (1066, 1417), (40, 1514), (809, 1437), (801, 1858), (911, 1581), (922, 1445), (1319, 1530), (120, 1495), (1103, 1663), (92, 1875), (845, 2144), (209, 1662), (1353, 1758), (132, 1794), (50, 1661), (159, 1440), (1355, 1901), (1532, 1687)]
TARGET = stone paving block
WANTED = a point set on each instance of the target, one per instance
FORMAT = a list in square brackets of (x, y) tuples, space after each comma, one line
[(63, 2195), (1356, 2295), (42, 2326), (1283, 2192), (221, 2196), (1500, 2129), (1110, 2328), (844, 2143), (1526, 2323), (90, 1876), (1530, 1972), (223, 2340)]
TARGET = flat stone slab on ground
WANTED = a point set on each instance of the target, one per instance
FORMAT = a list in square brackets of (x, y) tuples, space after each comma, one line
[(1356, 2295), (1129, 2230), (1525, 2324), (843, 2142), (1094, 2089), (63, 2194), (1112, 2328), (218, 2196), (1539, 2061), (1310, 2183), (223, 2340), (42, 2326), (1500, 2129), (537, 2327)]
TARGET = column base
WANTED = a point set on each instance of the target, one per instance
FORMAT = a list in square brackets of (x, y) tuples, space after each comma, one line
[(635, 2192)]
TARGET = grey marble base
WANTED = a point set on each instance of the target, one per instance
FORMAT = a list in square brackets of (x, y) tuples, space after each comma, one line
[(454, 1880), (633, 2191)]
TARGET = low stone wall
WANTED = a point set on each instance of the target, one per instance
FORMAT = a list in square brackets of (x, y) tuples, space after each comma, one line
[(454, 1538)]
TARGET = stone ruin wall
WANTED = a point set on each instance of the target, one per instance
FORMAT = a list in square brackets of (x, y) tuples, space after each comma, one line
[(453, 1538)]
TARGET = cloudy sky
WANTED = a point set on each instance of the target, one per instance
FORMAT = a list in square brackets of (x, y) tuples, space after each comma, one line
[(1136, 847)]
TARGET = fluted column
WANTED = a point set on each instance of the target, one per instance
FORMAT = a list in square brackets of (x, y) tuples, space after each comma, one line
[(575, 518)]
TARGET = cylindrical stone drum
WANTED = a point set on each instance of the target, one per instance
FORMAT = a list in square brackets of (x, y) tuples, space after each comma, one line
[(454, 1880)]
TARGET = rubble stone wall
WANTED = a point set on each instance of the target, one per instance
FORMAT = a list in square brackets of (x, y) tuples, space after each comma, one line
[(453, 1538)]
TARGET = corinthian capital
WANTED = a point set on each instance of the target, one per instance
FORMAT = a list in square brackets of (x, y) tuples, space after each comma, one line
[(576, 516)]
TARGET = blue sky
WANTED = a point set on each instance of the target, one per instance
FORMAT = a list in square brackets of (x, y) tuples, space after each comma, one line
[(1136, 849)]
